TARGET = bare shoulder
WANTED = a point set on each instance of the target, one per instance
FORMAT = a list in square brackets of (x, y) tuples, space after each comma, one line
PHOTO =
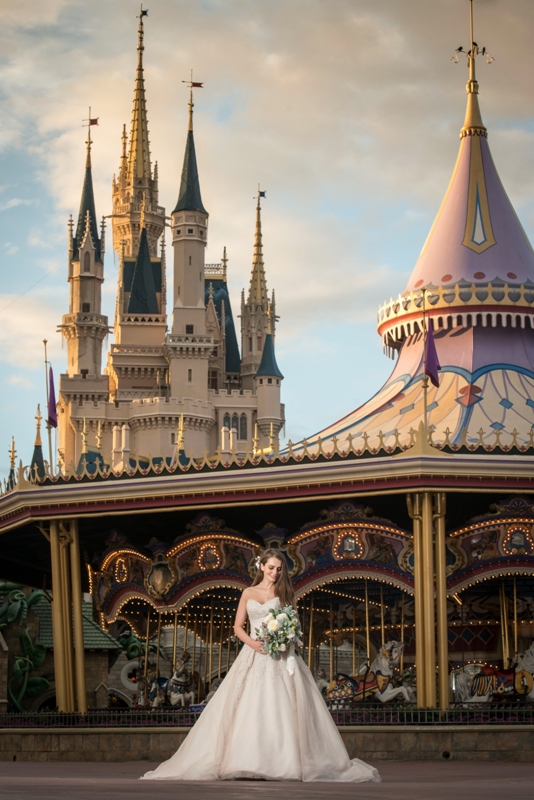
[(247, 594)]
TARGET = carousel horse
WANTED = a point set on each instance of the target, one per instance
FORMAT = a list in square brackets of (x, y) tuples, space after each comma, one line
[(214, 685), (320, 680), (496, 685), (377, 683), (174, 689)]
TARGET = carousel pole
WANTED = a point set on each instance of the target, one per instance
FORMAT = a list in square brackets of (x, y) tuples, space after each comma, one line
[(515, 619), (382, 626), (331, 641), (402, 634), (367, 629), (228, 650), (211, 642), (158, 641), (219, 664), (310, 637), (414, 510), (186, 628), (429, 658), (174, 641), (77, 615), (65, 539), (57, 618), (193, 656), (147, 640), (441, 602), (354, 640)]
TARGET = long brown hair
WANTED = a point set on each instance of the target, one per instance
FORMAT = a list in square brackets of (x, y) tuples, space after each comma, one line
[(282, 588)]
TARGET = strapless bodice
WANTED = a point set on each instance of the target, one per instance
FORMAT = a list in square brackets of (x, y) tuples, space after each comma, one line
[(258, 611)]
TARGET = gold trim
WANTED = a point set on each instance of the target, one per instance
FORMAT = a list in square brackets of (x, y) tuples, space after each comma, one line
[(477, 191)]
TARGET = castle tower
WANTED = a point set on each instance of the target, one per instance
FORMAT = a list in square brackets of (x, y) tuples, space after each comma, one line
[(189, 346), (136, 182), (254, 311), (267, 381), (84, 327)]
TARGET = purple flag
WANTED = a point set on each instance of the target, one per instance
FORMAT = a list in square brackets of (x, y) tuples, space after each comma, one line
[(432, 364), (52, 413)]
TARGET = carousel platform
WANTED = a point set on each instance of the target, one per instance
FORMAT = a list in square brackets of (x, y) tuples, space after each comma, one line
[(406, 780), (438, 742)]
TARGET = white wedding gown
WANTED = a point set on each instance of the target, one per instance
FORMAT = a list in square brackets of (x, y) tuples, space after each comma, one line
[(263, 722)]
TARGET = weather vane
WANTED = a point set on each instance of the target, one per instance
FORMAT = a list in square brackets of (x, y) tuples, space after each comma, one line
[(474, 50), (260, 193)]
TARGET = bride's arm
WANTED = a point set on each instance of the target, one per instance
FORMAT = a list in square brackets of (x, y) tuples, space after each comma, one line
[(240, 619)]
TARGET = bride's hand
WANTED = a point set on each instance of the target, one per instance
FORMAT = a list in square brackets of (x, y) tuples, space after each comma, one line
[(258, 646)]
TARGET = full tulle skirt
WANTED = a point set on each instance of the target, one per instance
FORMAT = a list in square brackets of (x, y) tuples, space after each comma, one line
[(265, 723)]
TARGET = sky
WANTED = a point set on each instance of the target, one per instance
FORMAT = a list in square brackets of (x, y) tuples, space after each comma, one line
[(346, 111)]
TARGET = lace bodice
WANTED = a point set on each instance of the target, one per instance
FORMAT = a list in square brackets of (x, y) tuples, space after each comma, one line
[(258, 611)]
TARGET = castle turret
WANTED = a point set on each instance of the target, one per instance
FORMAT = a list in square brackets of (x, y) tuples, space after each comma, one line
[(254, 310), (267, 381)]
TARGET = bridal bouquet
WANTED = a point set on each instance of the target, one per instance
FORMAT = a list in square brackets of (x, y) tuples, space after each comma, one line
[(280, 631)]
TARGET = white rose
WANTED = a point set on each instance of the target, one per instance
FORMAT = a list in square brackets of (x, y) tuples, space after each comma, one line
[(282, 647), (282, 617), (268, 618), (272, 625), (291, 635)]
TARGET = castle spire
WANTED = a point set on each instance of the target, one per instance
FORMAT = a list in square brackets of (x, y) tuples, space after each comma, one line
[(87, 213), (139, 156), (473, 124), (37, 462), (189, 198), (258, 285)]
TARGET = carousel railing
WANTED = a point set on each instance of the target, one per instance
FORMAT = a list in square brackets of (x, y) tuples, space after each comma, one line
[(465, 714)]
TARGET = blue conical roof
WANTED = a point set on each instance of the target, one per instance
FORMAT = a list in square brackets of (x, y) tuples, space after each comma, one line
[(189, 198), (143, 298), (268, 366), (87, 204)]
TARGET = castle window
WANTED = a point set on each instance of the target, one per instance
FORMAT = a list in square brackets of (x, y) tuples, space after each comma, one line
[(190, 230), (269, 380), (243, 427), (189, 259), (213, 379), (86, 308), (235, 422), (202, 233), (190, 376), (226, 422), (261, 381), (87, 263), (259, 344), (250, 344), (179, 232), (189, 329)]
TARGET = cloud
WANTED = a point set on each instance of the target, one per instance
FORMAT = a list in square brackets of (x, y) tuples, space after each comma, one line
[(11, 249), (20, 381), (25, 323), (13, 203)]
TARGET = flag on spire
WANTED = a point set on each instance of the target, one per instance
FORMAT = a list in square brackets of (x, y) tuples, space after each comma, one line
[(52, 412), (432, 365)]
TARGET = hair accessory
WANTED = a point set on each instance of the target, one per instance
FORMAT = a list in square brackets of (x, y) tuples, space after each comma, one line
[(257, 561)]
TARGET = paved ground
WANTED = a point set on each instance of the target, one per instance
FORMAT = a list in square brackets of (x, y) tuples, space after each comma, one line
[(400, 781)]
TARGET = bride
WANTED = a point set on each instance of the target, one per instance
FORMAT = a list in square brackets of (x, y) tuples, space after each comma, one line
[(268, 719)]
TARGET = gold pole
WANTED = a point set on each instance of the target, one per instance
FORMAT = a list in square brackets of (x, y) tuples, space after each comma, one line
[(194, 653), (57, 618), (211, 642), (310, 637), (506, 626), (147, 640), (186, 629), (228, 650), (77, 612), (64, 539), (367, 629), (428, 600), (414, 510), (205, 653), (441, 602), (158, 643), (354, 640), (331, 641), (515, 619), (174, 641), (382, 629), (402, 634), (219, 664)]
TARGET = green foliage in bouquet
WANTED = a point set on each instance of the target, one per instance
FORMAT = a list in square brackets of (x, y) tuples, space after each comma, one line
[(279, 630)]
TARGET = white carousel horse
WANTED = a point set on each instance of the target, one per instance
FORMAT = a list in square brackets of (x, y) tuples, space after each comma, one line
[(383, 668), (320, 680), (489, 682)]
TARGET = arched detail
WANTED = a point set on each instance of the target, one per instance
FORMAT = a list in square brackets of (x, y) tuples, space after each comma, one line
[(87, 262), (486, 572), (243, 433), (226, 421), (372, 572)]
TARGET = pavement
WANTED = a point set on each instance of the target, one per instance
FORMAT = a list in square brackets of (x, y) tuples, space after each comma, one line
[(401, 780)]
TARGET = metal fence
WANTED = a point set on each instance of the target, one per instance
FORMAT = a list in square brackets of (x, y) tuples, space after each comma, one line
[(475, 714)]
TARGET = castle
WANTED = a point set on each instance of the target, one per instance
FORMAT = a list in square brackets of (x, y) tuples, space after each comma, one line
[(162, 393)]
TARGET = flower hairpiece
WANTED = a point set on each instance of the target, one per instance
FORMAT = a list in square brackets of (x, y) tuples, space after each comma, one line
[(257, 562)]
